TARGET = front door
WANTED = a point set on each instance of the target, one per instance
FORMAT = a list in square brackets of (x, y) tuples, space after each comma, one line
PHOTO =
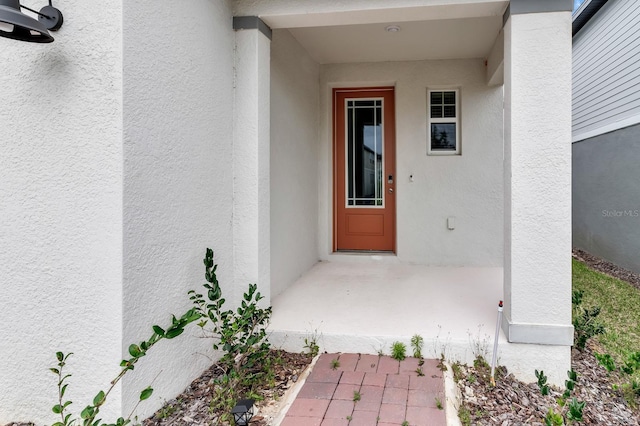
[(364, 169)]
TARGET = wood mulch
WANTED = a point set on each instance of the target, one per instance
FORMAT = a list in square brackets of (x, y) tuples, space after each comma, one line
[(512, 402), (192, 406)]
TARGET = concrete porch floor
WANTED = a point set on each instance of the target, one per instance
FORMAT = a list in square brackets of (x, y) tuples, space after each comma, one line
[(362, 304)]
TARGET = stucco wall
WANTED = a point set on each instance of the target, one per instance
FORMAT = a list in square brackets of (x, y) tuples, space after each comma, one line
[(606, 196), (178, 97), (294, 160), (61, 210), (537, 171), (468, 186)]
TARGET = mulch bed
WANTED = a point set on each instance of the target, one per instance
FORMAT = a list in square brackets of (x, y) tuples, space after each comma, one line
[(512, 402), (192, 406)]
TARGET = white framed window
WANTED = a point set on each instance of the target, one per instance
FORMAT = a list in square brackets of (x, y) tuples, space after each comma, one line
[(443, 121)]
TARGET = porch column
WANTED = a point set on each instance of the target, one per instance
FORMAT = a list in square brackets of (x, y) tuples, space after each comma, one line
[(251, 156), (537, 172)]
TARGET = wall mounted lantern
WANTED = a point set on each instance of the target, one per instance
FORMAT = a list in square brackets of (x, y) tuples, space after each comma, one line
[(243, 412), (18, 26)]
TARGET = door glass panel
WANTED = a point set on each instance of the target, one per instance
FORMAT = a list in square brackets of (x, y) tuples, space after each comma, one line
[(365, 156)]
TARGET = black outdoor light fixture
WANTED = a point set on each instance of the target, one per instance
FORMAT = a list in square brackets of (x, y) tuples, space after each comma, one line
[(18, 26), (242, 412)]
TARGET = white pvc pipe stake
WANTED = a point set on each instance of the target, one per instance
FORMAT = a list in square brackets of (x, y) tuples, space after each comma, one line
[(495, 345)]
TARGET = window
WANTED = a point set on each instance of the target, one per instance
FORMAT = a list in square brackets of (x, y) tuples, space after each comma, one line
[(443, 126)]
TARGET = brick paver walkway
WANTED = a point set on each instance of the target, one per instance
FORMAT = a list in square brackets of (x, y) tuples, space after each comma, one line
[(390, 392)]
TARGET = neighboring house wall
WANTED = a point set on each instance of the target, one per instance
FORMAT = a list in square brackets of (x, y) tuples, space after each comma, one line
[(606, 149), (606, 196), (468, 187), (61, 209), (606, 71), (178, 186), (294, 160)]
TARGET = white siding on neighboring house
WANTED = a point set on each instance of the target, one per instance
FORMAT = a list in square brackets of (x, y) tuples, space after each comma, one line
[(606, 71)]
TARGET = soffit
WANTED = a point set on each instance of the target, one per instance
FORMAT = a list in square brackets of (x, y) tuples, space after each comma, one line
[(417, 40)]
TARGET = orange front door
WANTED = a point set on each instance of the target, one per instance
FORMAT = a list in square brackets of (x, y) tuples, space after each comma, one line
[(364, 169)]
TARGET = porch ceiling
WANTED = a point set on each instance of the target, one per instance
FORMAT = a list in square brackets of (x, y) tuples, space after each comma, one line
[(416, 40), (354, 31)]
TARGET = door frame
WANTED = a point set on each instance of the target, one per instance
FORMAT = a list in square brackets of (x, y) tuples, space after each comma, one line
[(390, 156)]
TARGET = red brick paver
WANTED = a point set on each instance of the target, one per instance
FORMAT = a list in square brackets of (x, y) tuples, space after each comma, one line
[(352, 378), (390, 392), (339, 409)]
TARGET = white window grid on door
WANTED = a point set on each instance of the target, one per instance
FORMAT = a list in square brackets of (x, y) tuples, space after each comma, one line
[(378, 169)]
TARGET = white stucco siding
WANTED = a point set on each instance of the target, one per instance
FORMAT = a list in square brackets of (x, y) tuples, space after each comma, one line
[(251, 133), (61, 204), (294, 160), (538, 169), (468, 187), (178, 102)]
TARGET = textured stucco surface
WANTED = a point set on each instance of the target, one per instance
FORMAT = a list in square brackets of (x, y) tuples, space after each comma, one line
[(61, 210), (606, 196), (467, 187), (178, 97), (537, 170), (294, 160), (251, 208)]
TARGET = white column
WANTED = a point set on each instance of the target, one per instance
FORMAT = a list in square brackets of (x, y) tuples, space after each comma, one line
[(251, 160), (537, 166)]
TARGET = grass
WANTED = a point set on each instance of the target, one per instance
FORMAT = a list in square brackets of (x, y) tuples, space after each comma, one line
[(620, 314), (620, 310)]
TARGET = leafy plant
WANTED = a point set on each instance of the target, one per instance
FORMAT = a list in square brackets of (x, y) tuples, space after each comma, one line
[(441, 363), (585, 321), (137, 351), (311, 343), (419, 372), (439, 403), (632, 364), (417, 343), (398, 351), (542, 382), (571, 411), (458, 374), (569, 386), (553, 419), (240, 334), (575, 410), (606, 361), (356, 396), (464, 415), (335, 364)]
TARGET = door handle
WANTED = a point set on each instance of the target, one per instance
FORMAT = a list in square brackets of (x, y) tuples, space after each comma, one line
[(391, 190)]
